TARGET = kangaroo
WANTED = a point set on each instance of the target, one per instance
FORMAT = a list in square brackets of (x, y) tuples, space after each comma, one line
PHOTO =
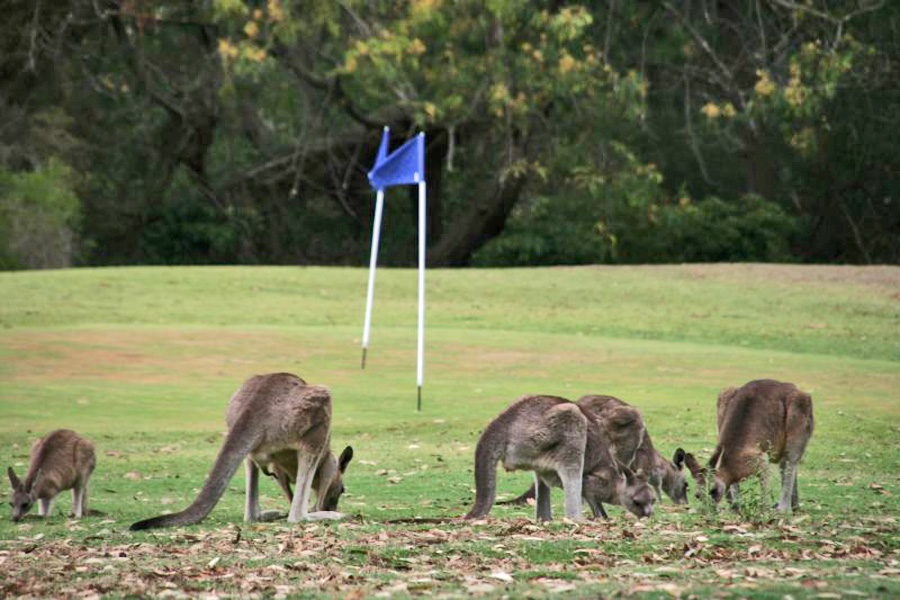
[(664, 475), (282, 426), (631, 446), (565, 447), (60, 461), (764, 417)]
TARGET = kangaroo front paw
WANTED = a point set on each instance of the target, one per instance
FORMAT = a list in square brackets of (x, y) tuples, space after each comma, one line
[(325, 515), (267, 516)]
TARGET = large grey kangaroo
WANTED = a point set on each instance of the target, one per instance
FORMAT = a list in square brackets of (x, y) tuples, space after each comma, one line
[(763, 417), (281, 426), (631, 446), (61, 460), (565, 447)]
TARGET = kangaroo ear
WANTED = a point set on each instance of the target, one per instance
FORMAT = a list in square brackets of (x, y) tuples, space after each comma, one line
[(678, 459), (345, 458), (37, 477), (693, 466), (16, 484)]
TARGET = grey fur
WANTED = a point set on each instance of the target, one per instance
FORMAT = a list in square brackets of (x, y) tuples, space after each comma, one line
[(60, 461), (762, 418), (631, 445), (566, 447), (281, 426)]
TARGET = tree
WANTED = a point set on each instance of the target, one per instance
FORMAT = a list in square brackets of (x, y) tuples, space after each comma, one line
[(511, 96), (762, 91)]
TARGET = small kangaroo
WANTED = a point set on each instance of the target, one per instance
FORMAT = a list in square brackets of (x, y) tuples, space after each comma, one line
[(282, 426), (61, 460), (764, 417), (565, 447), (664, 475), (631, 446)]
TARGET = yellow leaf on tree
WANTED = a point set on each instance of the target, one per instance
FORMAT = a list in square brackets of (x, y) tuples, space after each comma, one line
[(227, 49), (251, 29), (276, 12), (254, 53), (566, 63), (417, 46), (764, 85), (711, 110)]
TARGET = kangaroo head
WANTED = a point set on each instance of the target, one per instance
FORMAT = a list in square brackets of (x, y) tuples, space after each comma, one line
[(336, 486), (717, 489), (635, 493), (674, 483), (22, 499)]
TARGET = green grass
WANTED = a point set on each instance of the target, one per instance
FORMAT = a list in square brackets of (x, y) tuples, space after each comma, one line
[(143, 362)]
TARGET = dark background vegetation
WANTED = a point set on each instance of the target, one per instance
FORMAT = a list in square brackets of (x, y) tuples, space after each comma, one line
[(225, 131)]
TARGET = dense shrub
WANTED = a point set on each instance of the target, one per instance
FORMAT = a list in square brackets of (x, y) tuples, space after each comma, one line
[(712, 230), (577, 232), (39, 214)]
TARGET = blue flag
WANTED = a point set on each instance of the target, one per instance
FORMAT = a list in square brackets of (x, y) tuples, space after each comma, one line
[(383, 148), (403, 166)]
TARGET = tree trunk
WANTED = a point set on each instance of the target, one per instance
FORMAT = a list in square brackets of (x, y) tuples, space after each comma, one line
[(483, 221)]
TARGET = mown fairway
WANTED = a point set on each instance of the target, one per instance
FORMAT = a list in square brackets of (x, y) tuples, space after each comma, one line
[(143, 362)]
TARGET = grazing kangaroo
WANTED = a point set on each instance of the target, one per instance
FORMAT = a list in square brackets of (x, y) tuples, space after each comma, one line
[(60, 461), (631, 446), (565, 447), (664, 475), (281, 426), (764, 417)]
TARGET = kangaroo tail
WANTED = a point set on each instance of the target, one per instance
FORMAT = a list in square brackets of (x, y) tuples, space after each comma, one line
[(487, 455), (521, 500), (240, 441)]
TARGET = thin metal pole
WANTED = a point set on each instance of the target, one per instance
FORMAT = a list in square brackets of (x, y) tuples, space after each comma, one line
[(420, 366), (373, 261)]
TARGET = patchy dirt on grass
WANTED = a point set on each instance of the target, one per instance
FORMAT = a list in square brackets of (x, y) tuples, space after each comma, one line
[(512, 557), (878, 276), (139, 355)]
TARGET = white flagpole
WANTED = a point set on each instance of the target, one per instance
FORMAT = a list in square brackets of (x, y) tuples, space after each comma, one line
[(421, 341), (373, 260)]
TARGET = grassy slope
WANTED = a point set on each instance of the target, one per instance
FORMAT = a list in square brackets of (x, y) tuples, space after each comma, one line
[(143, 360)]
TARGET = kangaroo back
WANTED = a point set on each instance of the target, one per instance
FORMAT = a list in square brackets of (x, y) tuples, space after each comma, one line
[(241, 439)]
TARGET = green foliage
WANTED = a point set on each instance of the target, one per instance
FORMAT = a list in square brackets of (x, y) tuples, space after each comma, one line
[(596, 115), (39, 214), (185, 229), (548, 231), (711, 230), (582, 231)]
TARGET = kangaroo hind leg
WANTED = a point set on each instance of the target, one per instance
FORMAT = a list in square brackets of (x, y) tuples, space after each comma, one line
[(251, 492), (543, 510), (798, 430), (79, 501), (567, 454), (306, 467)]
